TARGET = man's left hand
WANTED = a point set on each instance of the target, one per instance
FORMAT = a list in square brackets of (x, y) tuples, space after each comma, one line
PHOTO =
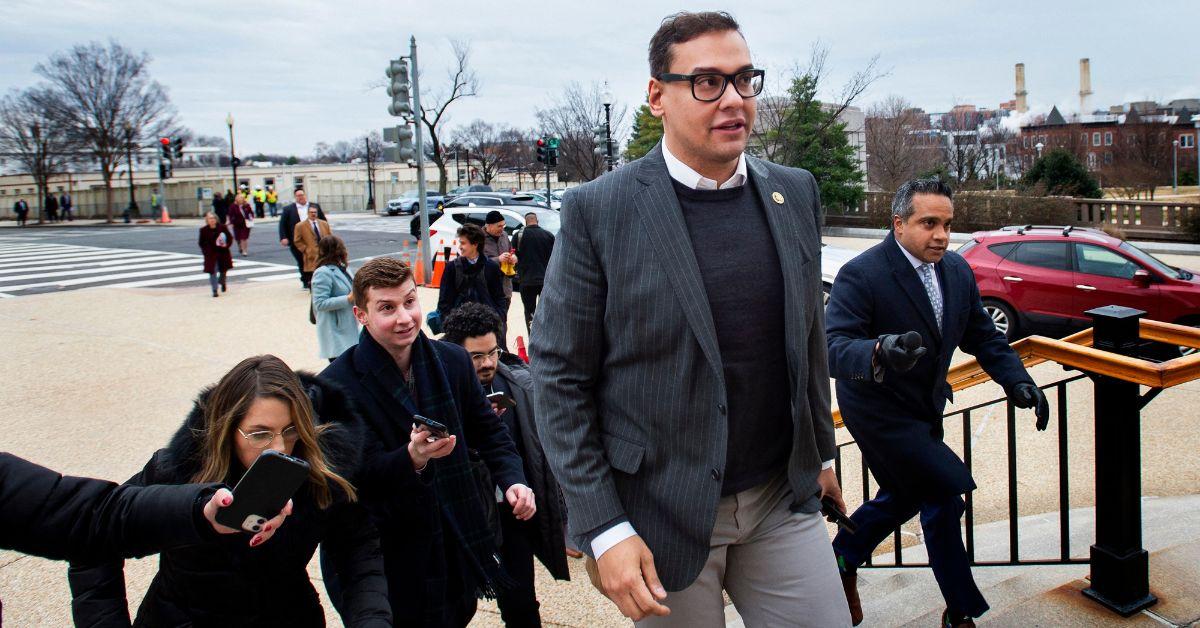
[(1027, 395), (829, 486), (520, 497)]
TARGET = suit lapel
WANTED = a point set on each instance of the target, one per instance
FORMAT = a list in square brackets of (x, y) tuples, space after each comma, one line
[(380, 377), (948, 283), (659, 208), (906, 277)]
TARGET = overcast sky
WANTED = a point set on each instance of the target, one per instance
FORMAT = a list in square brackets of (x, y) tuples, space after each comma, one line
[(300, 71)]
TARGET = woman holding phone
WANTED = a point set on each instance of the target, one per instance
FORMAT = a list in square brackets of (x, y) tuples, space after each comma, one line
[(241, 218), (215, 241), (261, 404)]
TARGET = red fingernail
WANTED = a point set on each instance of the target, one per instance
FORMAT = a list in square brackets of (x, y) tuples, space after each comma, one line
[(226, 501), (255, 541), (267, 528)]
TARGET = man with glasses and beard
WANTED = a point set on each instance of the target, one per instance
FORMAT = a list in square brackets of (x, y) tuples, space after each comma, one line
[(686, 414)]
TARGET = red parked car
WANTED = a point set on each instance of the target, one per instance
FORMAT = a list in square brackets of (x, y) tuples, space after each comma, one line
[(1041, 279)]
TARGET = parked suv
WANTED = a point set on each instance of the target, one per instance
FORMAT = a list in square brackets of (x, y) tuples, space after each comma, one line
[(1043, 278)]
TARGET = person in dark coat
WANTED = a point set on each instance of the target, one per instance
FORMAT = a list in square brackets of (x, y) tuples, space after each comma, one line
[(241, 218), (220, 207), (21, 209), (476, 328), (892, 390), (471, 277), (431, 501), (66, 204), (261, 403), (214, 244), (533, 255), (51, 208), (292, 214)]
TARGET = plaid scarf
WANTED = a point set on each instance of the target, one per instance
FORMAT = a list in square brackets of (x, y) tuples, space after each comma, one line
[(454, 484)]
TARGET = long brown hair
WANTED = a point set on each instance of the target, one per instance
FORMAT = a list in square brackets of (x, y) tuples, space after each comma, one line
[(331, 250), (226, 405)]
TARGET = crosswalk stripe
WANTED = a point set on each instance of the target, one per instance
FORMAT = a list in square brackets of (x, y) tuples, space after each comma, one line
[(14, 255), (150, 256), (81, 258), (59, 255), (94, 270), (9, 251), (237, 272)]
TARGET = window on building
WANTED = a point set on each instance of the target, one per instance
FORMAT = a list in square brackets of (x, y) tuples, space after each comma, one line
[(1091, 161), (1025, 141), (1096, 138), (1108, 138), (1187, 141), (1083, 137), (1108, 158)]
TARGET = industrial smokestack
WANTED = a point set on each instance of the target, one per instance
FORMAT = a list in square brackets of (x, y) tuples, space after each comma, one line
[(1085, 85), (1022, 105)]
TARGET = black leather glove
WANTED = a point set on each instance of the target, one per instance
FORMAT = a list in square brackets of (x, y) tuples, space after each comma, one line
[(1026, 395), (900, 352)]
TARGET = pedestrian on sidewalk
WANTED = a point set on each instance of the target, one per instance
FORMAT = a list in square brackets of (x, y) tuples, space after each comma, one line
[(241, 217), (215, 241), (686, 411), (51, 208), (260, 404), (498, 248), (307, 235), (476, 328), (220, 207), (333, 299), (260, 201), (65, 204), (292, 215), (896, 315), (533, 252), (21, 209), (471, 277), (272, 201)]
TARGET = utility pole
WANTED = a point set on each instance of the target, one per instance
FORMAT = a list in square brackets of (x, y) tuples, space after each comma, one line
[(425, 252), (403, 85)]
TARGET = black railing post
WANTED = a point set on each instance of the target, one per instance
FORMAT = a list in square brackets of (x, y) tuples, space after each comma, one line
[(1120, 567)]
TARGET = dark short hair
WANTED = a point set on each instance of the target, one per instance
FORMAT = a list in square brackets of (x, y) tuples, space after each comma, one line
[(470, 320), (493, 217), (902, 203), (381, 272), (473, 233), (683, 27)]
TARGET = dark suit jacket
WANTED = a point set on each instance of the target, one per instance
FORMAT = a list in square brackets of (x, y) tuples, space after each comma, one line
[(898, 422), (533, 255), (630, 389), (291, 216)]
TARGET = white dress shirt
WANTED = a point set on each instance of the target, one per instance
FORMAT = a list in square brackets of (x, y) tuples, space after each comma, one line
[(687, 176), (917, 263)]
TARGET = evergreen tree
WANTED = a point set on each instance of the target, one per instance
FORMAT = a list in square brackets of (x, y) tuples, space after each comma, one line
[(647, 131), (812, 138), (1059, 173)]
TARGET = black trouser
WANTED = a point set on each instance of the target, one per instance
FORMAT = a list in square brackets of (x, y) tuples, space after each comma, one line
[(876, 519), (299, 257), (21, 220), (518, 603), (258, 209), (529, 299)]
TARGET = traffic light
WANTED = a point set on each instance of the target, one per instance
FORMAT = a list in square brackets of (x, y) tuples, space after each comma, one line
[(397, 71), (402, 137), (177, 148), (553, 157), (166, 147), (543, 151), (601, 139)]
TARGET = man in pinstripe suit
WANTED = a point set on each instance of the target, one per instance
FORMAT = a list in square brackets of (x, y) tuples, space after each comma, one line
[(683, 396)]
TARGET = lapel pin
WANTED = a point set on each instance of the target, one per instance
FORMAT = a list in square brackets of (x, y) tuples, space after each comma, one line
[(777, 197)]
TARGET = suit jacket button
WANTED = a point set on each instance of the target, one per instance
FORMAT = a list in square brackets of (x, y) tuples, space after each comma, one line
[(716, 475), (721, 408)]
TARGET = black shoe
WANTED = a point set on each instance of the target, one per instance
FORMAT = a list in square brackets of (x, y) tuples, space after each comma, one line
[(223, 288), (215, 295), (956, 621)]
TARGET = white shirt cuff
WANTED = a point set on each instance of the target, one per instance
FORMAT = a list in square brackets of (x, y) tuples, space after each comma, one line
[(828, 464), (610, 537)]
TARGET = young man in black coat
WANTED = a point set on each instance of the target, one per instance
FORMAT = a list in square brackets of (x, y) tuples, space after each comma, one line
[(476, 328), (426, 489), (533, 256), (21, 209), (472, 277), (292, 214)]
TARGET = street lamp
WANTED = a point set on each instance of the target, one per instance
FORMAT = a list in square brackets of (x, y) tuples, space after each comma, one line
[(232, 154), (607, 96), (1175, 166), (133, 206)]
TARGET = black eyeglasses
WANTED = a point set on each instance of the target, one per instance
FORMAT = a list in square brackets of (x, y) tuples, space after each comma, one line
[(710, 86)]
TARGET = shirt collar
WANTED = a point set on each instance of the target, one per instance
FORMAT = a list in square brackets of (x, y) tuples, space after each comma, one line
[(912, 259), (684, 173)]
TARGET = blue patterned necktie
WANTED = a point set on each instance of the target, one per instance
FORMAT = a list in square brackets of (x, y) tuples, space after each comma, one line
[(935, 296)]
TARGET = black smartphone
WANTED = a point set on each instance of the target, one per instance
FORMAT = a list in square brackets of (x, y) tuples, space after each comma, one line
[(263, 491), (831, 512), (502, 400), (437, 430)]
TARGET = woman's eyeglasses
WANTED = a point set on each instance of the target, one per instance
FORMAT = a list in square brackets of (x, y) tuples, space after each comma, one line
[(263, 439)]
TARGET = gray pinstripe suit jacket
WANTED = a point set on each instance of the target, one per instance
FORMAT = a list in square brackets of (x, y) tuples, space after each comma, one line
[(630, 392)]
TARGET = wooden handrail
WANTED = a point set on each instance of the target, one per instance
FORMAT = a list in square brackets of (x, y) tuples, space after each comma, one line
[(1076, 351)]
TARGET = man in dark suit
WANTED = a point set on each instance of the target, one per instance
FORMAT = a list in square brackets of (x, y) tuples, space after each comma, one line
[(533, 255), (476, 328), (682, 395), (66, 204), (293, 214), (21, 209), (895, 316)]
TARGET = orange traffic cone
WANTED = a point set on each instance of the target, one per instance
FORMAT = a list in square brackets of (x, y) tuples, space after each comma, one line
[(166, 217), (521, 352)]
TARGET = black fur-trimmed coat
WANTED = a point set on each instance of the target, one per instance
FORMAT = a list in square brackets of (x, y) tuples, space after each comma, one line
[(225, 582)]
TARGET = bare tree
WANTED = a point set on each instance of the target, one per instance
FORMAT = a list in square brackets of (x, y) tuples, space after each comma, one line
[(774, 112), (30, 138), (897, 144), (1141, 158), (339, 152), (102, 96), (463, 84), (491, 148), (573, 119)]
